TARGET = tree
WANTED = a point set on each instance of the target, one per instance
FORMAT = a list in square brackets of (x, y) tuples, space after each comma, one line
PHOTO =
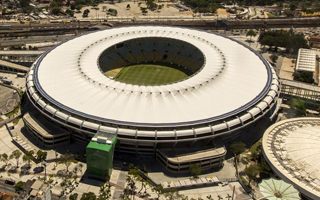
[(70, 12), (303, 76), (66, 159), (55, 7), (131, 184), (88, 196), (251, 33), (112, 12), (256, 151), (105, 192), (298, 105), (151, 4), (73, 196), (264, 167), (128, 6), (19, 186), (274, 58), (134, 172), (286, 39), (293, 6), (4, 158), (85, 13), (28, 156), (41, 155), (158, 189), (195, 170), (252, 172), (173, 195), (202, 6), (25, 5), (237, 148), (16, 154)]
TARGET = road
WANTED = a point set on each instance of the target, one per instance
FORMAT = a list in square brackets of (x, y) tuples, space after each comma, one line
[(7, 188)]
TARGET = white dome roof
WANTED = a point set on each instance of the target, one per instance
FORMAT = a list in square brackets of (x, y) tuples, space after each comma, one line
[(232, 79)]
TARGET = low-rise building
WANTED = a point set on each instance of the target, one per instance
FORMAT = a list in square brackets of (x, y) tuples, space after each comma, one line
[(181, 160), (48, 133), (307, 65), (40, 191)]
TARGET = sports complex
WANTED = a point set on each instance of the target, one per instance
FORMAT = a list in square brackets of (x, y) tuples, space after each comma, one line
[(154, 88)]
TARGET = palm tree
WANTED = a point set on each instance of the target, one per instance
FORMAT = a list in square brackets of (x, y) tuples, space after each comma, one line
[(66, 159), (237, 148), (16, 154), (28, 157), (41, 155), (252, 171)]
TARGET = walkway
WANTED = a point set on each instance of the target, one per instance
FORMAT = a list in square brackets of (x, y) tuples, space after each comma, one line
[(13, 66), (299, 89), (21, 53), (121, 182)]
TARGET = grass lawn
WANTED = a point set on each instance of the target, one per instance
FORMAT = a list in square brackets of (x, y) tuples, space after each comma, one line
[(148, 74)]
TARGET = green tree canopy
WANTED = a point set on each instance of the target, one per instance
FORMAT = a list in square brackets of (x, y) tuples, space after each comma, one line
[(202, 6), (19, 186), (88, 196), (55, 7), (73, 196), (41, 155), (237, 147), (298, 105), (4, 158), (252, 172), (105, 192), (286, 39), (251, 33), (195, 170)]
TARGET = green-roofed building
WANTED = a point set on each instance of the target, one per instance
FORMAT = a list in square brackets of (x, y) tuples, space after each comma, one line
[(99, 154)]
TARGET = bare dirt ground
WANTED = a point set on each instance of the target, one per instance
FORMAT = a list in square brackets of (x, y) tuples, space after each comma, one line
[(287, 69), (168, 9), (8, 99)]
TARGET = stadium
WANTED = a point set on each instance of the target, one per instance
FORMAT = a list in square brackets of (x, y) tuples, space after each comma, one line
[(153, 87), (291, 148)]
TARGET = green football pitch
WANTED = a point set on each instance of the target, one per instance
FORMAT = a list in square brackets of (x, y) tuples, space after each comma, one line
[(148, 74)]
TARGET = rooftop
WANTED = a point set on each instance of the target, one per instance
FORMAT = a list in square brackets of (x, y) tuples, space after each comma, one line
[(306, 60), (44, 127), (292, 147), (229, 72), (188, 155)]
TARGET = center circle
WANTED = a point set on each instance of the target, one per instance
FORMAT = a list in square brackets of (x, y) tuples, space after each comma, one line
[(151, 61)]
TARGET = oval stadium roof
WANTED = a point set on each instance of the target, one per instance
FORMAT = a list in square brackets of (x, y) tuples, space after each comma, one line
[(232, 79)]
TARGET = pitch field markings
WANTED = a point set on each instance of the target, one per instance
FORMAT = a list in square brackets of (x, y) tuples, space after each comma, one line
[(148, 74)]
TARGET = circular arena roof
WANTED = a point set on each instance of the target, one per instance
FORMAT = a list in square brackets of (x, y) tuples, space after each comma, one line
[(292, 148), (231, 87), (232, 78)]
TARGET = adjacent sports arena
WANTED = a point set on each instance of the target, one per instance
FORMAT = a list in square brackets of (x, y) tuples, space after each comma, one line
[(154, 87), (291, 147)]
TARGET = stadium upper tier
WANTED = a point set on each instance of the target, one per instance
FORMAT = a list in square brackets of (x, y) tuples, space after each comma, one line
[(229, 85)]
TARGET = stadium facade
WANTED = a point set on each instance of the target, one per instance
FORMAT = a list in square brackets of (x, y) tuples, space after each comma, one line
[(229, 87)]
